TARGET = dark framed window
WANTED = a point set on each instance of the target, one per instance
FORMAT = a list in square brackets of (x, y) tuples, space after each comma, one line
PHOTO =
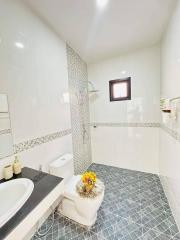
[(120, 89)]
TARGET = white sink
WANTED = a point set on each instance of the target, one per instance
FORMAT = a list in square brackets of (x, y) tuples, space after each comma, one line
[(13, 194)]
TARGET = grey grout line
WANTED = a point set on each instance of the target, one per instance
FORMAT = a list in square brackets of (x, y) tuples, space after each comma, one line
[(141, 225), (100, 233), (164, 211), (174, 236)]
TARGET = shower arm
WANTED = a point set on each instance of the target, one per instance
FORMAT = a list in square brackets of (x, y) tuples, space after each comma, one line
[(174, 99)]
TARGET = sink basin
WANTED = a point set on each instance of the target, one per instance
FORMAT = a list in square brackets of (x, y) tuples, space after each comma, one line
[(13, 195)]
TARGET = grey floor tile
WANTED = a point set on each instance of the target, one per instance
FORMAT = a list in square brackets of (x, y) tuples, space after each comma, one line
[(134, 208)]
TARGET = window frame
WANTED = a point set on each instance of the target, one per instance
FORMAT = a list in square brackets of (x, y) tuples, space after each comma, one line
[(122, 80)]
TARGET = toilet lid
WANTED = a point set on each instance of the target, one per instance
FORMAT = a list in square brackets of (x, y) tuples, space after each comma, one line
[(70, 189)]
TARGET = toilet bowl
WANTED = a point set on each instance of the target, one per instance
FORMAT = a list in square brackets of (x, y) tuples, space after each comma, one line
[(73, 206)]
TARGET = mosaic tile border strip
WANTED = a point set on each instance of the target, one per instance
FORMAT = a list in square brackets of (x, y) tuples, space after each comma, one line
[(5, 131), (81, 135), (124, 124), (20, 147), (172, 132)]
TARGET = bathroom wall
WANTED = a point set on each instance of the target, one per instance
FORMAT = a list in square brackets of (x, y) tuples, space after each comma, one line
[(127, 133), (170, 132), (33, 67), (78, 85)]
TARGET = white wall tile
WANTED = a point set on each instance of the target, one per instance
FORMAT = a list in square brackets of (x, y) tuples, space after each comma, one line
[(170, 88), (170, 83), (143, 67), (35, 77), (126, 147), (33, 66), (133, 148), (169, 171)]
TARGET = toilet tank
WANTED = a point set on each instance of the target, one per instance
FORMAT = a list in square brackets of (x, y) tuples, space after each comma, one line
[(62, 167)]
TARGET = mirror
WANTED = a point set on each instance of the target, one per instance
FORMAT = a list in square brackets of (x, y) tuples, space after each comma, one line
[(6, 140)]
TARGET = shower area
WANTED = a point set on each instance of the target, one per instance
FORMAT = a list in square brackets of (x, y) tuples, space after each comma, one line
[(79, 102)]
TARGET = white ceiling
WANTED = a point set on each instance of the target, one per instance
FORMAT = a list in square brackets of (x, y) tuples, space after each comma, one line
[(122, 26)]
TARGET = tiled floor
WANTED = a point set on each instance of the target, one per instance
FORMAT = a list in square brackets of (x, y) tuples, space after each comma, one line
[(134, 208)]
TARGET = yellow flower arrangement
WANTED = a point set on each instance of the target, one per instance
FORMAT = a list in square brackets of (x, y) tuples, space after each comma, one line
[(89, 180)]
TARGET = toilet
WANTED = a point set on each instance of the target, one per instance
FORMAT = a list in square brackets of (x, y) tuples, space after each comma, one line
[(73, 206)]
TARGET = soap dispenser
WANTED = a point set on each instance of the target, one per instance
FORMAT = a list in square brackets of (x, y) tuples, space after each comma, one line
[(17, 166)]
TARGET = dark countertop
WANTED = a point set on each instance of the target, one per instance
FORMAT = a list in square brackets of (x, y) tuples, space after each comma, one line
[(44, 183)]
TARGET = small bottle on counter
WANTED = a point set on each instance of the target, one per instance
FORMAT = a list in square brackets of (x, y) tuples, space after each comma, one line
[(17, 166), (8, 172)]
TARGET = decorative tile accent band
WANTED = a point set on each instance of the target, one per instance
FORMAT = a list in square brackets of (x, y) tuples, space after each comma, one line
[(20, 147), (124, 124), (172, 132), (5, 131)]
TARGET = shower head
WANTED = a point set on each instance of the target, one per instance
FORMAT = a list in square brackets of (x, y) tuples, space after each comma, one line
[(91, 88)]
